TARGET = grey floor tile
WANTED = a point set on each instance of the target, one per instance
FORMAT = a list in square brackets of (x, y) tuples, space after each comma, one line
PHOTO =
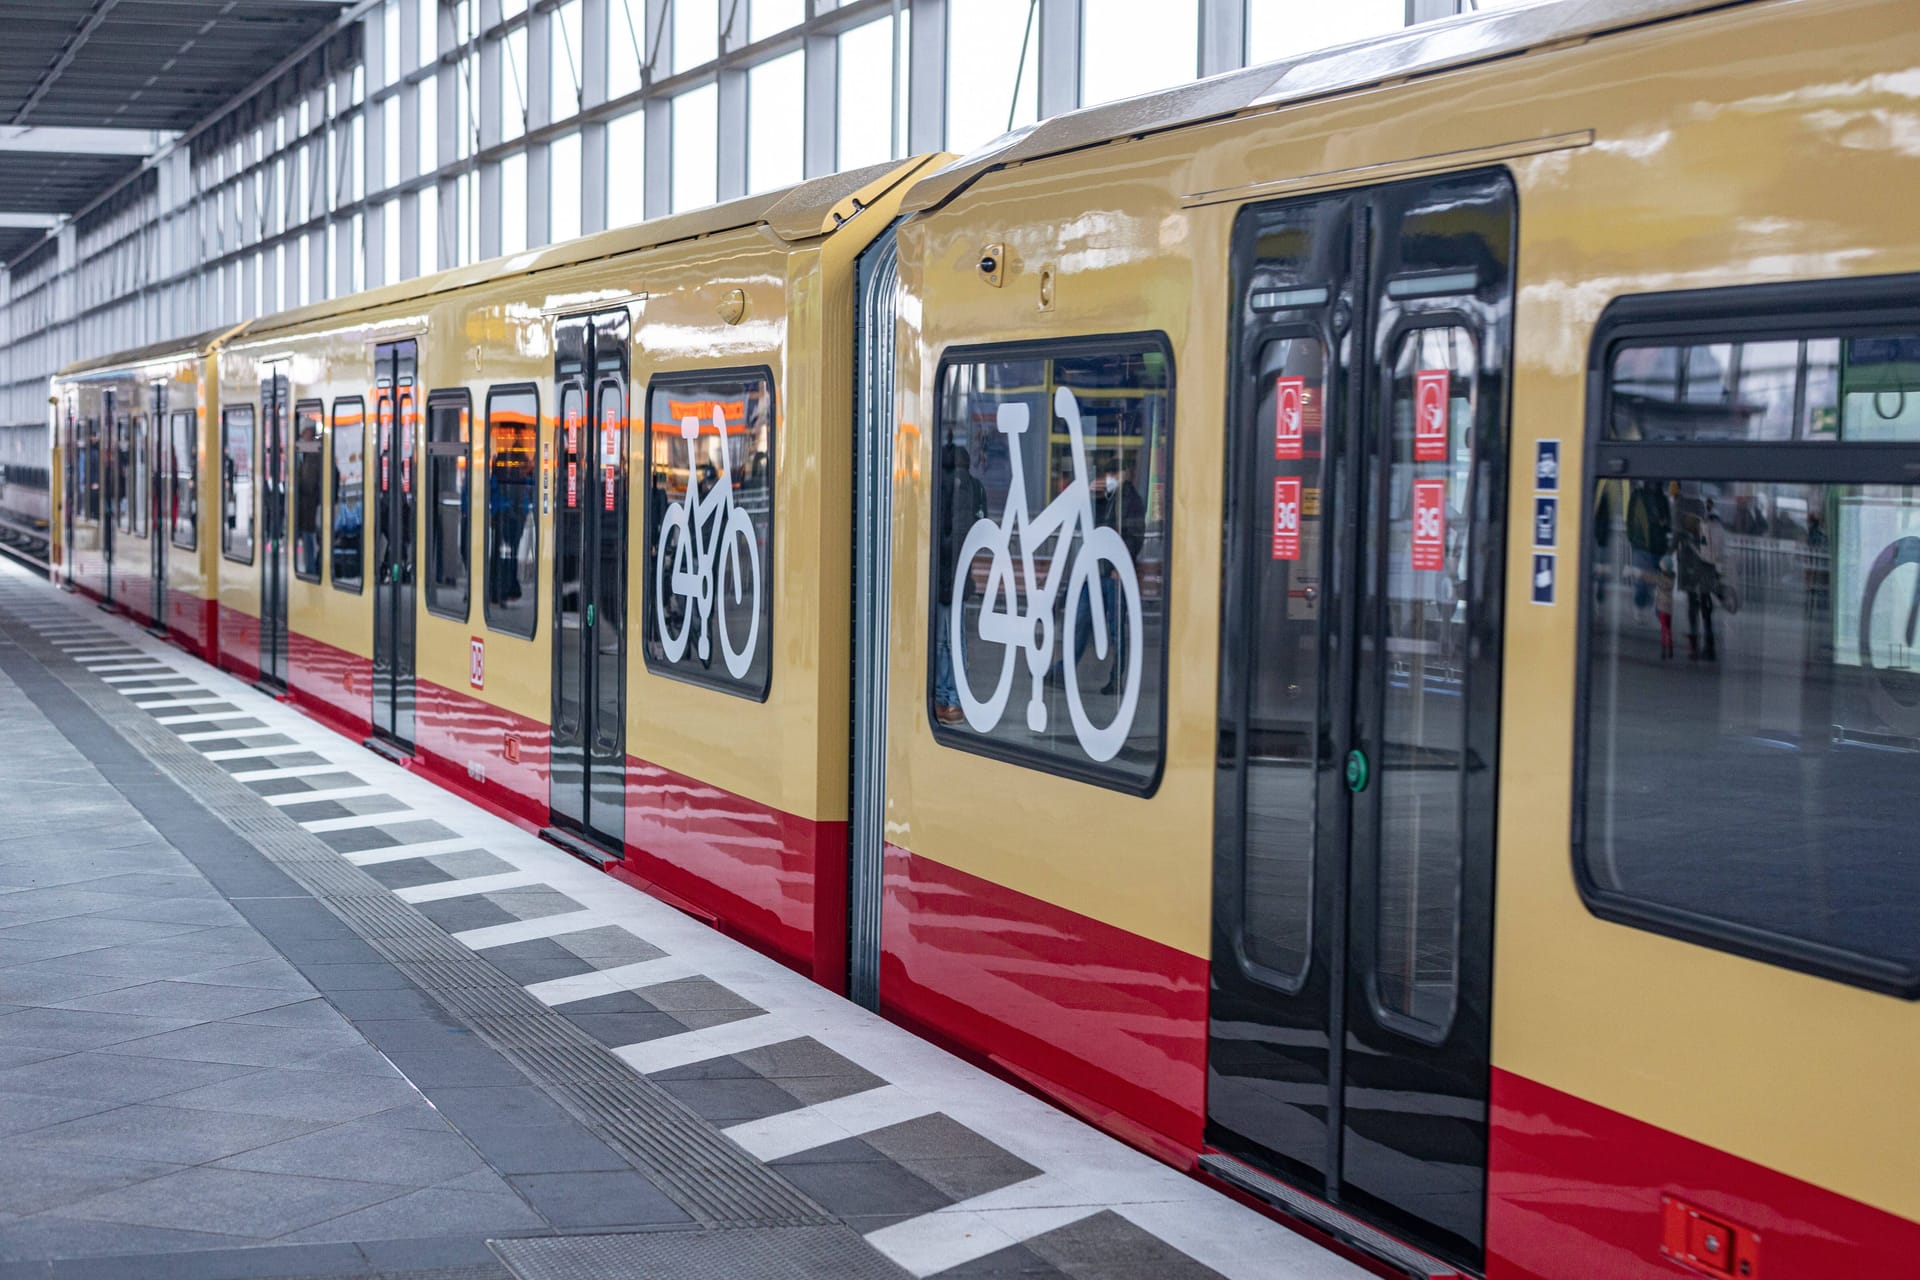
[(50, 1235), (376, 975), (306, 782), (542, 1148), (24, 1112), (146, 1131), (575, 1200), (408, 873), (418, 1114), (34, 1181), (726, 1102), (302, 1013), (1106, 1246), (697, 994), (26, 950), (354, 1060), (432, 1209), (44, 982), (368, 1153), (299, 1095), (244, 1043), (537, 960), (96, 931), (197, 1001), (250, 764), (533, 903), (115, 1077), (875, 1190), (477, 1065), (457, 914), (465, 864), (19, 1055), (608, 946), (74, 1029), (267, 975), (231, 1202), (152, 886), (1015, 1263), (380, 1003), (616, 1029), (210, 912)]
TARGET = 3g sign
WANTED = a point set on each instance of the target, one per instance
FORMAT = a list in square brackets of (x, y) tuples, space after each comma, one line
[(1286, 518), (1429, 524)]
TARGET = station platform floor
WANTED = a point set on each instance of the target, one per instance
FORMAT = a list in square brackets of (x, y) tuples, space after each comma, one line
[(274, 1006)]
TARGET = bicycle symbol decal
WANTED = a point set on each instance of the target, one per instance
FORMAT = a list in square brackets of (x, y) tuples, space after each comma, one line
[(707, 554), (1016, 612)]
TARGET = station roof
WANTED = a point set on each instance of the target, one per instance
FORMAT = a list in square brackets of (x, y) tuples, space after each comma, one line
[(89, 88)]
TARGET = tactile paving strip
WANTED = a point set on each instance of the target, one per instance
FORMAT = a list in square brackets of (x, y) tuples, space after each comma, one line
[(766, 1253), (706, 1174)]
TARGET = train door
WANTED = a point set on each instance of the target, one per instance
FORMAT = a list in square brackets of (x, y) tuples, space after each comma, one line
[(395, 414), (879, 278), (587, 773), (71, 473), (113, 483), (160, 469), (1352, 955), (275, 446)]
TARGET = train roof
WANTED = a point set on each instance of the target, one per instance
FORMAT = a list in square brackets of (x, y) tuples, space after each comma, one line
[(808, 211), (1426, 49), (173, 349)]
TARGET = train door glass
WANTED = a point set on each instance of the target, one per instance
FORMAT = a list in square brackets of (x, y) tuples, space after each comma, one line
[(587, 773), (395, 414), (275, 447), (71, 488), (1349, 1037), (112, 483), (159, 527)]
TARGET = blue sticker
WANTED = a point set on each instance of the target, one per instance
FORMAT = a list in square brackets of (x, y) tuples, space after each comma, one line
[(1546, 521), (1543, 577), (1546, 465)]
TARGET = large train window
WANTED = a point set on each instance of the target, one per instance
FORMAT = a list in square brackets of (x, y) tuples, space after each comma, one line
[(183, 493), (513, 527), (236, 484), (1049, 588), (709, 552), (449, 510), (140, 503), (308, 450), (1752, 690), (349, 493), (122, 477)]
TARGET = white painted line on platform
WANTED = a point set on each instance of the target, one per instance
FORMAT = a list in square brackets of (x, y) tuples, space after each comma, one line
[(472, 885), (137, 694), (419, 849), (824, 1123), (217, 715), (500, 935), (210, 735), (605, 982), (301, 797), (348, 821), (174, 704), (142, 675), (283, 749), (955, 1236), (708, 1043), (152, 666)]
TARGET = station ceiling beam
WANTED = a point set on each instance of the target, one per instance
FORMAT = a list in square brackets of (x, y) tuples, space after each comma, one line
[(84, 142)]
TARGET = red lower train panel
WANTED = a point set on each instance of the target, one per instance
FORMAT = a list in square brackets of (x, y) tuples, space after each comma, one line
[(455, 732), (239, 642), (1110, 1024), (1577, 1190), (330, 684), (769, 877)]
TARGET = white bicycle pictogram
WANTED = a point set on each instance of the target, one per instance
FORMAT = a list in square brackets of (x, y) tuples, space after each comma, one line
[(1016, 612), (706, 546)]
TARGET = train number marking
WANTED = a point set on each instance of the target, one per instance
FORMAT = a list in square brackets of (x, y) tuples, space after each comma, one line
[(1286, 518)]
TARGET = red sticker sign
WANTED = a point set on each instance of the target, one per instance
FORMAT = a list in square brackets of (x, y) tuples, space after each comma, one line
[(386, 442), (610, 450), (1429, 524), (1289, 434), (1430, 388), (573, 484), (1286, 518), (477, 663)]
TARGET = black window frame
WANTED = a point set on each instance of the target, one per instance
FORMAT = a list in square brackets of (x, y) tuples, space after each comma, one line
[(358, 583), (488, 608), (1087, 771), (301, 449), (184, 469), (229, 508), (696, 378), (1743, 313), (461, 400), (123, 472)]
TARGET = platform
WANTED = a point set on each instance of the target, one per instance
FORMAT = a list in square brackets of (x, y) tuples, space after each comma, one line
[(271, 1005)]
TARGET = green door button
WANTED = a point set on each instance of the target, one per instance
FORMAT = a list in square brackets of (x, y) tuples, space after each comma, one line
[(1357, 771)]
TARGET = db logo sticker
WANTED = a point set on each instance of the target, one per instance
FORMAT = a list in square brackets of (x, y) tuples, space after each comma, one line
[(1288, 435), (1430, 387), (1429, 524), (477, 663), (1286, 518)]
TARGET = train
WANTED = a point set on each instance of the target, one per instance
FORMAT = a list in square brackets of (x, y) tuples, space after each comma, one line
[(26, 505), (1350, 622)]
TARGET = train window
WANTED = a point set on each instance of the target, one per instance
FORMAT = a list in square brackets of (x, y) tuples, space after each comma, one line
[(141, 506), (1752, 690), (183, 494), (236, 484), (1051, 485), (449, 511), (122, 477), (349, 493), (308, 451), (512, 592), (91, 458), (709, 549)]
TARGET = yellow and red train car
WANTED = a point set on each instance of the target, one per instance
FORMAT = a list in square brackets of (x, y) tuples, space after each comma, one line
[(1351, 622)]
